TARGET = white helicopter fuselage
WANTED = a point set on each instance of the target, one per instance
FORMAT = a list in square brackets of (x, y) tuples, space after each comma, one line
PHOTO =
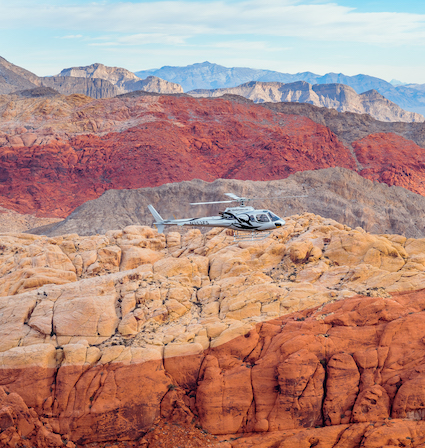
[(236, 218)]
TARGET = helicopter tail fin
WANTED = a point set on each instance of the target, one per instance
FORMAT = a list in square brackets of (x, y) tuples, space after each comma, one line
[(159, 221)]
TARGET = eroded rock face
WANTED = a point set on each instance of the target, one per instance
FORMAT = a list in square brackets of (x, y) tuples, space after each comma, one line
[(335, 193), (384, 165), (269, 337), (336, 96), (122, 79), (73, 148), (78, 147)]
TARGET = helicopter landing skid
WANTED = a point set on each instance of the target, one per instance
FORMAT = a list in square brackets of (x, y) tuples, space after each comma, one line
[(248, 236)]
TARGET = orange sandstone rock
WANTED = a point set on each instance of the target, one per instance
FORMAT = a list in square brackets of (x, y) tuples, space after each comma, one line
[(265, 355)]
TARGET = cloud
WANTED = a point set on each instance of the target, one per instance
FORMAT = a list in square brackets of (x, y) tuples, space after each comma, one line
[(140, 39), (243, 45), (174, 22), (71, 36)]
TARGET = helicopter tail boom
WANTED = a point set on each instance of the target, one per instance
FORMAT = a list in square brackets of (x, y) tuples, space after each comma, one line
[(159, 221)]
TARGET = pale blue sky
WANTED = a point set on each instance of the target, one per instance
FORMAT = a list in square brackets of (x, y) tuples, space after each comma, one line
[(379, 38)]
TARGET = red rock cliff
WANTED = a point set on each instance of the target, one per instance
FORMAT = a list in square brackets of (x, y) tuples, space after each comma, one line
[(56, 153), (79, 148)]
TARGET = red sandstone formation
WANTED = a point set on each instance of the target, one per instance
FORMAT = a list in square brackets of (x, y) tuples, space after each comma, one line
[(78, 148), (181, 139), (393, 160), (354, 366)]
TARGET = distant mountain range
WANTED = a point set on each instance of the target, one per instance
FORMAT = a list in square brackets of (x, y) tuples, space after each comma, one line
[(123, 80), (96, 81), (206, 75), (336, 96), (358, 94)]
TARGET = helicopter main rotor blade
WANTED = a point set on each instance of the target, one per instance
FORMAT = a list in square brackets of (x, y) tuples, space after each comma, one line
[(279, 197), (233, 196), (301, 196), (239, 199), (215, 202)]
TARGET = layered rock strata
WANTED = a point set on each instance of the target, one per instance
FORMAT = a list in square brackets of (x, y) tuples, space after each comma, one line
[(123, 80), (333, 96), (96, 81), (103, 88), (306, 328), (94, 88), (207, 75)]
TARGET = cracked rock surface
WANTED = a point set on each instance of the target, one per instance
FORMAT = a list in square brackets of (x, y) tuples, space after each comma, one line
[(318, 326)]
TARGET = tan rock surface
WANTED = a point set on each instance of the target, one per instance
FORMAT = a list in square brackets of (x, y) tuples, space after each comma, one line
[(103, 329), (310, 261), (336, 96), (122, 79), (115, 75)]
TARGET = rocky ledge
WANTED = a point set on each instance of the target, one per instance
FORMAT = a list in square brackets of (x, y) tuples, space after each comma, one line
[(310, 337)]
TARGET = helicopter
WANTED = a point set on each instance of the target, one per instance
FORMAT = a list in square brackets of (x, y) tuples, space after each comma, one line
[(240, 218)]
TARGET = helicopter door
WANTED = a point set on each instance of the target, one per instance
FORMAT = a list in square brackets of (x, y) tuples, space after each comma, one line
[(262, 218)]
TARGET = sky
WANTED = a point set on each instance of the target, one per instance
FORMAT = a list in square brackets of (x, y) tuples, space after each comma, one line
[(385, 39)]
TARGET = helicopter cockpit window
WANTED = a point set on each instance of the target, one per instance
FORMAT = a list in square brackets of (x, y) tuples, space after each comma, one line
[(273, 217), (262, 218)]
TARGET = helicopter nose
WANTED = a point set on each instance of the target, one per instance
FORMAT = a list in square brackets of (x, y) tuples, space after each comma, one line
[(279, 223)]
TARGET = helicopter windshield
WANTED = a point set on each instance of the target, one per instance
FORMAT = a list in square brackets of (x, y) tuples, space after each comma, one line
[(273, 217)]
